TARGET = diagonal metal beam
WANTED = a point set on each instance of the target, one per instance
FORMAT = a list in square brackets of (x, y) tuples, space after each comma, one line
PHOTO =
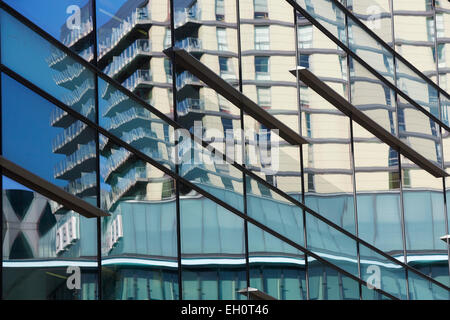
[(49, 190), (201, 71), (312, 81)]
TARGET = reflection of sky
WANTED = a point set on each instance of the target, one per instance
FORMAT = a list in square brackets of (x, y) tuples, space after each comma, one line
[(9, 184), (20, 41), (50, 15), (25, 121)]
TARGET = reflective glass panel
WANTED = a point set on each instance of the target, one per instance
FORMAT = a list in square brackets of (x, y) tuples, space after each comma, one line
[(212, 251), (414, 31), (62, 152), (274, 211), (139, 239), (423, 200), (417, 88), (47, 254), (373, 97), (370, 50), (376, 15), (326, 283), (276, 268), (419, 132), (377, 192), (69, 21), (420, 289), (327, 14), (46, 66)]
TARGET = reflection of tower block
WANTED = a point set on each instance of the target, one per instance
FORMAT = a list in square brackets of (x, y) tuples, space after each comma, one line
[(76, 141)]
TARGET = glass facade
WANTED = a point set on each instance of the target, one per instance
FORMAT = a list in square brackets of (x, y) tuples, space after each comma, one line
[(204, 198)]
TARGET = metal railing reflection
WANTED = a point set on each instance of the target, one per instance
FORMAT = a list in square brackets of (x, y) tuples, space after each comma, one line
[(137, 78), (140, 46), (140, 15)]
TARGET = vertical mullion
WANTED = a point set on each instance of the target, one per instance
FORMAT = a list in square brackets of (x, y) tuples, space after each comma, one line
[(177, 169), (436, 54), (1, 181), (97, 154), (352, 158), (400, 173), (302, 174), (244, 180)]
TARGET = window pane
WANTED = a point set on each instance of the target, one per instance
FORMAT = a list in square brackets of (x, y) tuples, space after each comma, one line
[(46, 66), (47, 255), (276, 268), (69, 21), (139, 246), (326, 283), (274, 211), (213, 251), (62, 152)]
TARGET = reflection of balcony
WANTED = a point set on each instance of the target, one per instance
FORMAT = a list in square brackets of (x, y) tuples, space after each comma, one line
[(114, 161), (117, 102), (83, 160), (60, 118), (190, 44), (120, 157), (70, 77), (103, 141), (187, 78), (57, 59), (74, 134), (140, 77), (125, 121), (190, 105), (79, 95), (139, 137), (138, 48), (140, 16), (124, 184), (189, 15), (86, 185), (78, 33)]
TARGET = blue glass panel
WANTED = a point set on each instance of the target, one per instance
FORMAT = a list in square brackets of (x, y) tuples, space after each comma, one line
[(212, 250), (69, 21), (326, 283), (68, 147), (139, 239), (47, 255), (47, 67), (276, 268)]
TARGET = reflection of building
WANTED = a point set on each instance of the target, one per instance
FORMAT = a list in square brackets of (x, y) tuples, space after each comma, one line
[(344, 173), (76, 141)]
